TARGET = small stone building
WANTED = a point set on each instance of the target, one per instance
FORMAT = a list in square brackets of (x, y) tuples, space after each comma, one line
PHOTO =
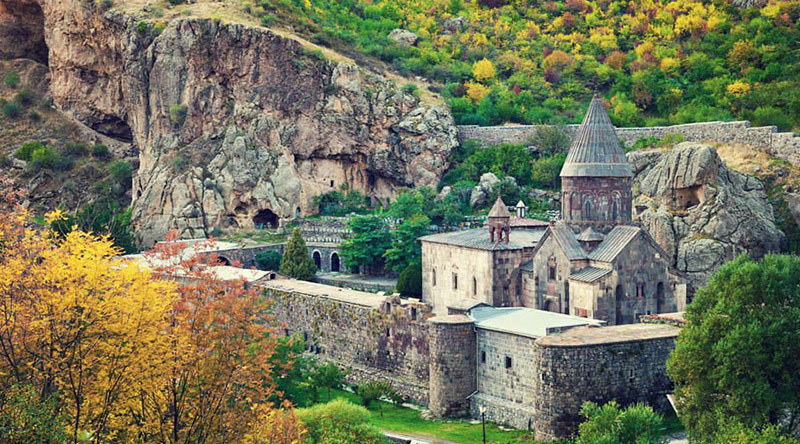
[(594, 263)]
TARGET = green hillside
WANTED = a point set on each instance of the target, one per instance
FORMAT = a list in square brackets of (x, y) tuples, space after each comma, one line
[(657, 62)]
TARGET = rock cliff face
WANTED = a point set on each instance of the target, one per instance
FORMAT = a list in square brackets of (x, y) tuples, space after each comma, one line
[(235, 125), (699, 211)]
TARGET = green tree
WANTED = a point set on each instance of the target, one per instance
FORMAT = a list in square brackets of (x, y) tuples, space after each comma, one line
[(735, 433), (405, 247), (409, 283), (327, 376), (340, 421), (268, 260), (370, 240), (546, 171), (738, 358), (25, 418), (550, 140), (292, 368), (296, 263), (611, 424), (101, 218)]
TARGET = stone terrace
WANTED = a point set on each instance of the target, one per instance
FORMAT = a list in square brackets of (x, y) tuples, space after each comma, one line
[(618, 334), (326, 291)]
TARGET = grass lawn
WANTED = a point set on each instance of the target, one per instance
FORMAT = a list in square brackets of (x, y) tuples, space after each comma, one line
[(407, 420)]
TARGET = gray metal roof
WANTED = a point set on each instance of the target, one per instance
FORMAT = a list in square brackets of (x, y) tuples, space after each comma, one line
[(478, 238), (589, 274), (527, 266), (526, 321), (616, 241), (590, 235), (595, 150), (566, 239)]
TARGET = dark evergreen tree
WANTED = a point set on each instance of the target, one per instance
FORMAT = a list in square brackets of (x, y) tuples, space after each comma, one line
[(409, 284), (296, 262)]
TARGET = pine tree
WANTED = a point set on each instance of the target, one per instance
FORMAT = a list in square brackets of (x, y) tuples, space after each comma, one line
[(296, 262)]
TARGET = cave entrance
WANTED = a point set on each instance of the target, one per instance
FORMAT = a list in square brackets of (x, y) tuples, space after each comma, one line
[(266, 219), (22, 33), (113, 127)]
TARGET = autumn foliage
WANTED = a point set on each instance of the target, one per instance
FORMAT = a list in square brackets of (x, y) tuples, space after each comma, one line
[(168, 352)]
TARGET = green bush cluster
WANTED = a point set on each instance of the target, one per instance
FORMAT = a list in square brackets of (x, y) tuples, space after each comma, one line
[(11, 79), (178, 113), (268, 260)]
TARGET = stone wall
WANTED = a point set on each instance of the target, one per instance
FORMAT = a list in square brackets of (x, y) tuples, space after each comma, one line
[(375, 338), (785, 146), (448, 272), (623, 363), (452, 365)]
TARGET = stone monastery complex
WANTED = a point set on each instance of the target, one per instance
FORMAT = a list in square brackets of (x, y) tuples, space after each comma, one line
[(594, 263), (522, 319)]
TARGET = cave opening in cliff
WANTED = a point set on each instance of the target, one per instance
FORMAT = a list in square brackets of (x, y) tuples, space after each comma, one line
[(114, 127), (22, 33), (266, 219)]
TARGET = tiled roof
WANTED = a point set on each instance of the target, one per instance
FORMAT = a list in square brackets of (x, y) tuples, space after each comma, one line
[(595, 150), (616, 241), (499, 209), (589, 274), (528, 222), (590, 235), (478, 238), (566, 239)]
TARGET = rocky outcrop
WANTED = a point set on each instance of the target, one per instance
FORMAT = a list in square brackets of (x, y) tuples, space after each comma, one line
[(403, 37), (22, 30), (702, 213), (235, 125)]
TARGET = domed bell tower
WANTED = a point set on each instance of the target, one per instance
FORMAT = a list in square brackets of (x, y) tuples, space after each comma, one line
[(596, 178)]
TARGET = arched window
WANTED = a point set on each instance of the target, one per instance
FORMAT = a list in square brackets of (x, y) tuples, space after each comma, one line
[(474, 286), (614, 209), (433, 276), (455, 281), (659, 297), (587, 210)]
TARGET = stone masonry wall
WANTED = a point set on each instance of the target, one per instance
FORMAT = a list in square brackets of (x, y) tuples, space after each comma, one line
[(785, 146), (452, 365), (567, 376), (389, 343)]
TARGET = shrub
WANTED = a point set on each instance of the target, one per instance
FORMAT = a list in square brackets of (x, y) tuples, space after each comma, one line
[(327, 376), (550, 140), (637, 424), (268, 20), (26, 418), (100, 151), (411, 88), (121, 172), (75, 149), (11, 79), (11, 110), (409, 283), (175, 2), (764, 116), (24, 97), (340, 421), (179, 163), (268, 260), (34, 116), (5, 162), (142, 27), (177, 114), (106, 4), (45, 157), (26, 150), (546, 171)]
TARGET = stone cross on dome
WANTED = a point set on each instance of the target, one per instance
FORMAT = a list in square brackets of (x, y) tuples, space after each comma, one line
[(499, 222)]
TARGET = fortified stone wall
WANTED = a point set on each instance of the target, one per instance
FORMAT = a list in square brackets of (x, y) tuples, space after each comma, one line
[(452, 365), (376, 338), (623, 363), (785, 146)]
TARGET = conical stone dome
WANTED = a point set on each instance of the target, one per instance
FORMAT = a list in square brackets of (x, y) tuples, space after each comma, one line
[(596, 151)]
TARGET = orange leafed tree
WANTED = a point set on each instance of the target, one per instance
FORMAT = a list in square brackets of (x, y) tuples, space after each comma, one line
[(219, 372)]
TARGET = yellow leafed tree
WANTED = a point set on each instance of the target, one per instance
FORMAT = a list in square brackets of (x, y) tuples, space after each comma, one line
[(77, 323), (483, 70)]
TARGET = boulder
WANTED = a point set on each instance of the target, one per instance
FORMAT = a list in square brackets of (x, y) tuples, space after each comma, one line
[(702, 213), (454, 24), (403, 37), (480, 193)]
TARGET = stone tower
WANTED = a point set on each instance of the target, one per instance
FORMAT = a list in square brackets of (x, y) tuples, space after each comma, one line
[(596, 178), (453, 365), (499, 222)]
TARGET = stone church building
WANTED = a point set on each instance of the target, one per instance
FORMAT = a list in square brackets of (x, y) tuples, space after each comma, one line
[(594, 263)]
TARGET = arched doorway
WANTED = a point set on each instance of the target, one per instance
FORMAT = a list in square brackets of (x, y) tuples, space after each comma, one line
[(548, 306), (619, 296), (317, 259), (659, 297), (265, 219), (335, 262)]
